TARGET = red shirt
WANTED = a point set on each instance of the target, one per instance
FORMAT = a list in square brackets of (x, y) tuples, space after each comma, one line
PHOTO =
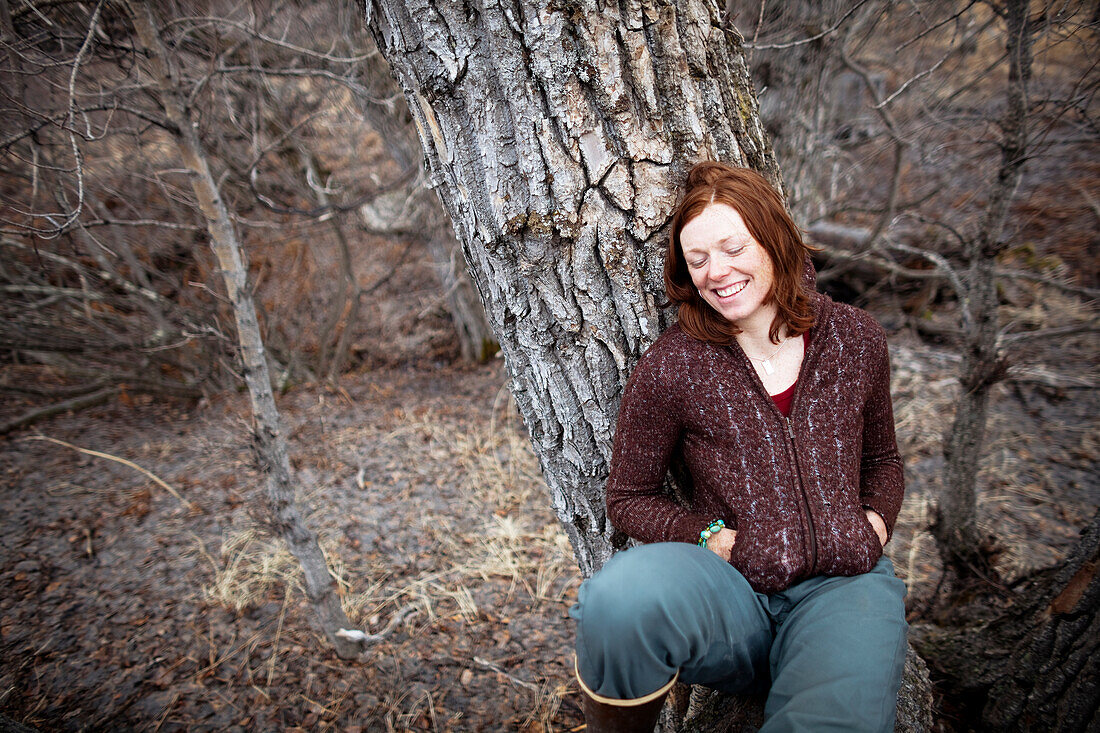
[(784, 398)]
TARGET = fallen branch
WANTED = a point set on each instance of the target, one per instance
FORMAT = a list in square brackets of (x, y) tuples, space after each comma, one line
[(72, 391), (73, 403), (149, 474)]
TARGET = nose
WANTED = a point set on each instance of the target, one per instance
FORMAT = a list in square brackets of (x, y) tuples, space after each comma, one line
[(718, 268)]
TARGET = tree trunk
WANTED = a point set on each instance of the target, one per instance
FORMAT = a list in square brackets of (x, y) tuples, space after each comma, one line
[(270, 445), (955, 528), (556, 138), (1036, 667), (476, 341)]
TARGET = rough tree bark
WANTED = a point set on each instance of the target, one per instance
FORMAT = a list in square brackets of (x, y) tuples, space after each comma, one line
[(556, 135), (270, 444), (1036, 667)]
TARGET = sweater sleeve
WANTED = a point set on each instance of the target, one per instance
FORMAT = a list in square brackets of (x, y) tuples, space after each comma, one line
[(881, 481), (646, 435)]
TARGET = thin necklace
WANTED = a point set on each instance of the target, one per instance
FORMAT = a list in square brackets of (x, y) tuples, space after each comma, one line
[(766, 362)]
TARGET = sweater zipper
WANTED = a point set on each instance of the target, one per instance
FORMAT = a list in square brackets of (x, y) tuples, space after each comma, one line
[(805, 497)]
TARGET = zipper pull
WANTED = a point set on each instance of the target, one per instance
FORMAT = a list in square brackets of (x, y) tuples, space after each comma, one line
[(790, 428)]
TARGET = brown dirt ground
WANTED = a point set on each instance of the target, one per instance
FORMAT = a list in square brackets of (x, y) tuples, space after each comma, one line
[(125, 609)]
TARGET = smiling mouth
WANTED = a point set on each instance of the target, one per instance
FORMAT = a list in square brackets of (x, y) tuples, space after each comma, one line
[(732, 289)]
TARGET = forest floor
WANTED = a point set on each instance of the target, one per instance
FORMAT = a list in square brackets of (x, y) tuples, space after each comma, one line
[(127, 607)]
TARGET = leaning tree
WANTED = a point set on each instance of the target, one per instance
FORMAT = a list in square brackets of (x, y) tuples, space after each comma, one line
[(555, 134)]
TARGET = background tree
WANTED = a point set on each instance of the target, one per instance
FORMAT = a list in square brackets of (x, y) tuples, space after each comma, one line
[(105, 98), (182, 124)]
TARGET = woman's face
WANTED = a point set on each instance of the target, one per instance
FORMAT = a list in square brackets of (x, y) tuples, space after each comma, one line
[(729, 268)]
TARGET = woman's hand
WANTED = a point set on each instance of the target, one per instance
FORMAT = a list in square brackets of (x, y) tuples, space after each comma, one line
[(721, 542), (878, 523)]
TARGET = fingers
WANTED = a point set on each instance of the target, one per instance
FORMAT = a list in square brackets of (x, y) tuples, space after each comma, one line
[(721, 543)]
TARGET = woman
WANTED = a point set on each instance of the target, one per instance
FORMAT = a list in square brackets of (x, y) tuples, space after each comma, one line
[(778, 400)]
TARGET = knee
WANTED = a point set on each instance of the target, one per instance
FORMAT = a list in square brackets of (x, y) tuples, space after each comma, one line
[(635, 590)]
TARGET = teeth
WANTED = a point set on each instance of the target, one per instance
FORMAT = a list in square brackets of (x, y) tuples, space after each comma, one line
[(735, 288)]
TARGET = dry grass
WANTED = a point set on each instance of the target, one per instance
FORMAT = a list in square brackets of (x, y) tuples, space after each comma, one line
[(249, 566), (505, 532)]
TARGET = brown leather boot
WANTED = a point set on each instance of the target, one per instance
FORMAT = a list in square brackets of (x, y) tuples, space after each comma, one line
[(603, 717)]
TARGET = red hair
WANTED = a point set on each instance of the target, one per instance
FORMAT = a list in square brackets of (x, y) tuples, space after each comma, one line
[(767, 220)]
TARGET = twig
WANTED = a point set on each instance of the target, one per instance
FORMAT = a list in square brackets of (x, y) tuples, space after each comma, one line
[(1049, 378), (78, 158), (278, 633), (167, 709), (1072, 329), (149, 474), (276, 41), (363, 638), (484, 664)]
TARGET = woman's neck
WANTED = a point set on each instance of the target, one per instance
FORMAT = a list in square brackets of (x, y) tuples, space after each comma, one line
[(755, 331)]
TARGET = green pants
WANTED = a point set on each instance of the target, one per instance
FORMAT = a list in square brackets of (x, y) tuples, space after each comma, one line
[(829, 650)]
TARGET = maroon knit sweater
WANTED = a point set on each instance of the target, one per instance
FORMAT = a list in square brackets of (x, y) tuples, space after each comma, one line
[(794, 488)]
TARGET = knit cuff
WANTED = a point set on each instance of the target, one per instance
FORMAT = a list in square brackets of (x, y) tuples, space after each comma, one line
[(687, 527)]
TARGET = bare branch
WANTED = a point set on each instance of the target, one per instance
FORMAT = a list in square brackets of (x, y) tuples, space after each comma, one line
[(877, 261), (82, 269), (811, 39), (79, 402), (148, 474), (77, 154), (1049, 378), (1092, 293), (954, 50), (354, 86), (160, 224), (900, 146), (948, 271), (43, 122), (949, 19), (1045, 333), (275, 41)]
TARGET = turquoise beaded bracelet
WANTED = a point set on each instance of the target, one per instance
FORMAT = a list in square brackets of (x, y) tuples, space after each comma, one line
[(710, 531)]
